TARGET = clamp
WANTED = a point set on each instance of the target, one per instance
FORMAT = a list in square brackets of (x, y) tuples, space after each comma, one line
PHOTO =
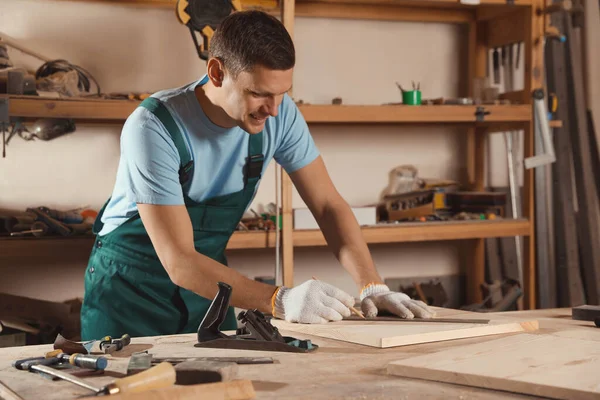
[(109, 345)]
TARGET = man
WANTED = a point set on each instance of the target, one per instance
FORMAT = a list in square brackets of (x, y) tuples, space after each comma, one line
[(191, 160)]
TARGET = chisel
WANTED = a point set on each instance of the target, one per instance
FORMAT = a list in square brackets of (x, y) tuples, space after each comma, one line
[(160, 376)]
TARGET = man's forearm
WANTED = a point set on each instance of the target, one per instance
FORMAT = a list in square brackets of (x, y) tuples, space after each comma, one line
[(200, 274), (344, 237)]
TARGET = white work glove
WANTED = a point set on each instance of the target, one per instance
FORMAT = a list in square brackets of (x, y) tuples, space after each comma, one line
[(313, 302), (378, 298)]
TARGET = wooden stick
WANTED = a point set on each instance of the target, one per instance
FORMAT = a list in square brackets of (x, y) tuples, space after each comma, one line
[(354, 310)]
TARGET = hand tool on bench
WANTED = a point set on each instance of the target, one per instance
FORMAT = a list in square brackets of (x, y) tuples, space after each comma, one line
[(188, 372), (160, 376), (194, 370), (109, 345), (585, 312), (256, 333), (79, 360)]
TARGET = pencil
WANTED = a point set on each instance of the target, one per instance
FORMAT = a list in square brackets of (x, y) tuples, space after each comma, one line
[(354, 310)]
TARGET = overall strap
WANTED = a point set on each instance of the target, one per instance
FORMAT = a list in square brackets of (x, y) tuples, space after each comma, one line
[(157, 108), (254, 162)]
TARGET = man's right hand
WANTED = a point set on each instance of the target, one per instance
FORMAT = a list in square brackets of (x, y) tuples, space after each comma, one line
[(313, 302)]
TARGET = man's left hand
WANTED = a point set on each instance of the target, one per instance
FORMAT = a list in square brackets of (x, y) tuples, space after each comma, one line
[(378, 298)]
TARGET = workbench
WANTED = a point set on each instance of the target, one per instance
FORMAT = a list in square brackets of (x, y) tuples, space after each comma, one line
[(337, 370)]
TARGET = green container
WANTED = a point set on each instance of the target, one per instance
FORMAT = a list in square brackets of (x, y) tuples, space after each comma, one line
[(411, 97)]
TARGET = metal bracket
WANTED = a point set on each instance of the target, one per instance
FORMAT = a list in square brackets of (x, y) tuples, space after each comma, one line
[(542, 130), (480, 114), (4, 118), (510, 2)]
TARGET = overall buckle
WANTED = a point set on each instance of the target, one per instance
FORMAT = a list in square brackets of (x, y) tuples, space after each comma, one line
[(254, 166)]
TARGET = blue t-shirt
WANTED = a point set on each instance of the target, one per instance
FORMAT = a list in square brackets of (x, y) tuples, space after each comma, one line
[(148, 169)]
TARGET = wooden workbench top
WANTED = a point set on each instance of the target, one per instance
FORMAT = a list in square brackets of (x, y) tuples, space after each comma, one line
[(337, 370)]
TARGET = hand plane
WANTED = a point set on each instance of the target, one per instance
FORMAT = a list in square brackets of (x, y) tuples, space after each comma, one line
[(257, 333)]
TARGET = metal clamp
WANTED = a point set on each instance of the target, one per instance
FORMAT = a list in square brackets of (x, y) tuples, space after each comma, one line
[(480, 113), (542, 129)]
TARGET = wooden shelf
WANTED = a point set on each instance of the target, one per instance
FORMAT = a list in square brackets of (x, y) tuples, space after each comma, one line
[(440, 11), (426, 231), (78, 248), (417, 3), (119, 110), (262, 4), (413, 114), (252, 240), (80, 109)]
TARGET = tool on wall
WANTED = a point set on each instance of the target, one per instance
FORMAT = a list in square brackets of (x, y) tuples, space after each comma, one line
[(256, 333), (203, 17)]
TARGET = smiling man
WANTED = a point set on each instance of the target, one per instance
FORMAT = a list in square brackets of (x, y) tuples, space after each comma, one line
[(191, 160)]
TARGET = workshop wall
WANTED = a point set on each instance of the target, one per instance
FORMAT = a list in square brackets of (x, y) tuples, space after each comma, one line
[(145, 49)]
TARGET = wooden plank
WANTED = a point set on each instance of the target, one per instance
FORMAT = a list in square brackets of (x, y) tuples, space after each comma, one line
[(425, 231), (238, 389), (389, 334), (412, 114), (381, 12), (475, 270), (507, 29), (533, 26), (475, 255), (287, 239), (545, 366)]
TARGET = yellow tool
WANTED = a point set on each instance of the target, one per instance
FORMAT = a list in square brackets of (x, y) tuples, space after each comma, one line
[(204, 16)]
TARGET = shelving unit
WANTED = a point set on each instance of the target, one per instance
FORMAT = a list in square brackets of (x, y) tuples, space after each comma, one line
[(492, 23)]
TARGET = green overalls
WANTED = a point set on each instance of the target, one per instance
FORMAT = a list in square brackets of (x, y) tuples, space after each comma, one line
[(127, 290)]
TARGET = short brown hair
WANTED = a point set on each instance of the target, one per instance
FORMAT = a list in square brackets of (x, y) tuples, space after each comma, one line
[(247, 38)]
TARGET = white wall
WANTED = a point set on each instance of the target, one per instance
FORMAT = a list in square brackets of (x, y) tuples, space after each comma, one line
[(144, 49)]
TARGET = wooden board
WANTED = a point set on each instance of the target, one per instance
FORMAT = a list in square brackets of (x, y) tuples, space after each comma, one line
[(555, 366), (389, 334)]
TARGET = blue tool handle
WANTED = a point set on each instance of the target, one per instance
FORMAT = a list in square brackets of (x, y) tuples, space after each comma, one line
[(86, 361)]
